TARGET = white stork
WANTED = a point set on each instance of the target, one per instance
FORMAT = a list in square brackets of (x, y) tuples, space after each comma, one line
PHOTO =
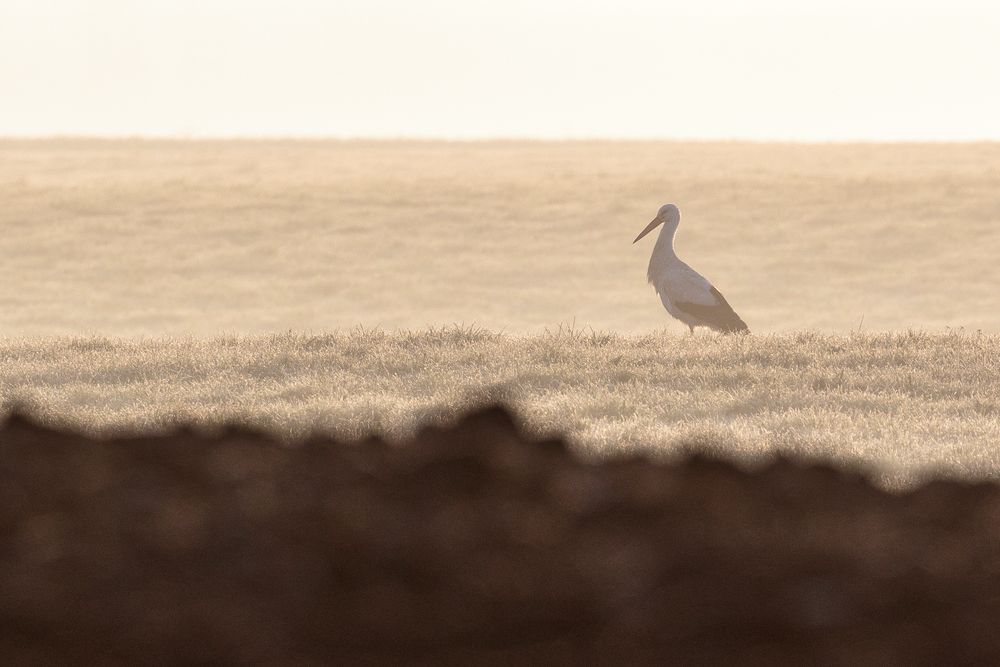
[(685, 293)]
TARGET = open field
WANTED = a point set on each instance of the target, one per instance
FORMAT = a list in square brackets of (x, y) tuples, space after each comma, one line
[(905, 405), (174, 237), (197, 279)]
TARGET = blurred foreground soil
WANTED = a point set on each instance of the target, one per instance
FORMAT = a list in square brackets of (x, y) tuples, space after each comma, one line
[(475, 545)]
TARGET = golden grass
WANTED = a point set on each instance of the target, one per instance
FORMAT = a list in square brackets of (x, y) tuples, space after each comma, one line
[(103, 241), (905, 405), (157, 238)]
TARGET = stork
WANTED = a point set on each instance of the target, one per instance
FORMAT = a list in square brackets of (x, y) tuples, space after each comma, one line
[(685, 293)]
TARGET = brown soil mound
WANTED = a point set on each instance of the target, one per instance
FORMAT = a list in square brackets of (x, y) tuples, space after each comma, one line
[(475, 545)]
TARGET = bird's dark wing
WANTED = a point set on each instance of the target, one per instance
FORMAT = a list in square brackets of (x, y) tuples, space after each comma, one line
[(719, 316)]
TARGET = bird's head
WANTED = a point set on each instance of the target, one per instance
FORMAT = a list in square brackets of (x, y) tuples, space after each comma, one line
[(668, 214)]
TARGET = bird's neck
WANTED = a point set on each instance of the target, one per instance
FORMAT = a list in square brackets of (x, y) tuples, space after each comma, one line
[(663, 251)]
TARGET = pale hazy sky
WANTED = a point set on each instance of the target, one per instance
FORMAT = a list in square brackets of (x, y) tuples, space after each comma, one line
[(851, 69)]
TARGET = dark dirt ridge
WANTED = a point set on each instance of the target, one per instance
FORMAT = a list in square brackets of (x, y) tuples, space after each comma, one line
[(475, 545)]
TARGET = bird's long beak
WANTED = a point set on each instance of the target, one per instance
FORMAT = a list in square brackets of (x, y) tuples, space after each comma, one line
[(650, 227)]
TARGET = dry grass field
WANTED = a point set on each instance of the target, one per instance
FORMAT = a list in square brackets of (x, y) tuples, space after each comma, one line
[(902, 406), (174, 237), (145, 282)]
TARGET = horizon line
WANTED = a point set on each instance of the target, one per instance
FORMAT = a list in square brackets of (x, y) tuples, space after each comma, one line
[(403, 138)]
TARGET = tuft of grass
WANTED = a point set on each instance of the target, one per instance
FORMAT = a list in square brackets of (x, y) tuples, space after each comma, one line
[(904, 406)]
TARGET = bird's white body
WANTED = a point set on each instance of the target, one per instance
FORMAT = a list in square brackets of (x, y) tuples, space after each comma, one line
[(682, 284), (686, 294)]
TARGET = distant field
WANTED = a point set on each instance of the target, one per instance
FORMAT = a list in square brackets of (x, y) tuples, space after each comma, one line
[(173, 238), (905, 405)]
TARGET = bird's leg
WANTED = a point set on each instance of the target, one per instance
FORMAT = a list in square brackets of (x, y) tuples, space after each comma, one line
[(691, 326)]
